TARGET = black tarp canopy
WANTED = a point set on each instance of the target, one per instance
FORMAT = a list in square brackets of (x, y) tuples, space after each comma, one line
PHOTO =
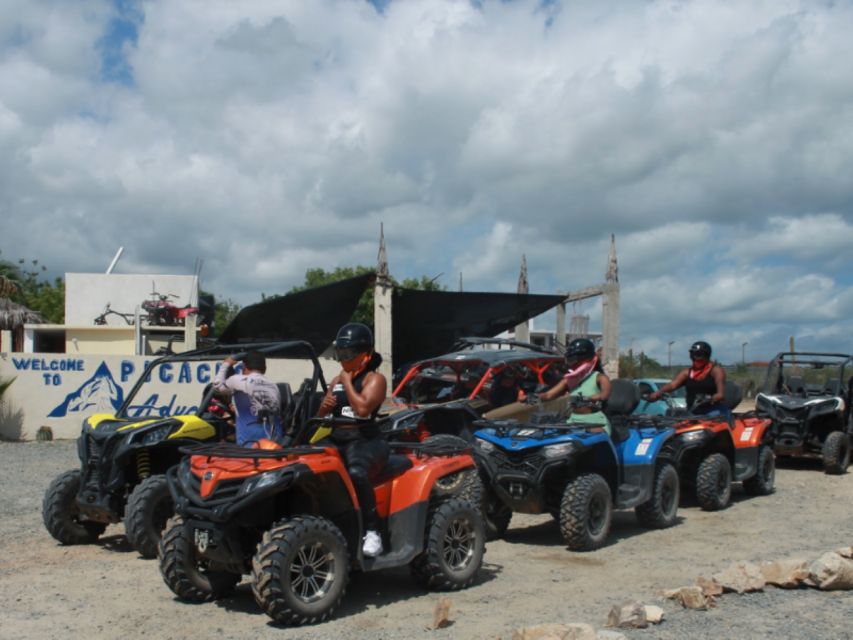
[(425, 323), (313, 315), (428, 323)]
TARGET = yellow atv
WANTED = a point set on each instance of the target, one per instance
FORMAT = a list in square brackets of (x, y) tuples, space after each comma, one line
[(124, 459)]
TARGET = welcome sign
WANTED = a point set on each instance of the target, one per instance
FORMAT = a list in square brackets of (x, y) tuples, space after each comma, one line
[(59, 391)]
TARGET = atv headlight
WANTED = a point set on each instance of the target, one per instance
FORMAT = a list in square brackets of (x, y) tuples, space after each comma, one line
[(146, 437), (558, 450), (484, 445), (262, 480), (693, 436)]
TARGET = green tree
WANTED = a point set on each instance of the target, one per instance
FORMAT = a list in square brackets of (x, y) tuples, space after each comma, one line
[(641, 366), (364, 310), (33, 290)]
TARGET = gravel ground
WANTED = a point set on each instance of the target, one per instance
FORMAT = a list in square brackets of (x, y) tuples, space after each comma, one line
[(107, 590)]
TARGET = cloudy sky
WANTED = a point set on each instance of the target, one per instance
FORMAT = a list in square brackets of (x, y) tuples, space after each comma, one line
[(714, 139)]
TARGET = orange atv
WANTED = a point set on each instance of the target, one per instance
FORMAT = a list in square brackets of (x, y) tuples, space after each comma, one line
[(290, 518), (710, 452)]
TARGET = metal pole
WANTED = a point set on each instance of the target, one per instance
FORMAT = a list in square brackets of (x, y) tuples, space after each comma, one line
[(669, 355), (743, 353)]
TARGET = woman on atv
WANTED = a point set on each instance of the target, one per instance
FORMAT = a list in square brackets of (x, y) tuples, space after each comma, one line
[(584, 379), (702, 379), (357, 392)]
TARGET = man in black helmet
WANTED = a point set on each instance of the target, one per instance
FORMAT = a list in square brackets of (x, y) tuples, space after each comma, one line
[(357, 392), (702, 378)]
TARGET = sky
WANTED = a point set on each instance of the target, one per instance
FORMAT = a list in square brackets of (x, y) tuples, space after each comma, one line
[(714, 140)]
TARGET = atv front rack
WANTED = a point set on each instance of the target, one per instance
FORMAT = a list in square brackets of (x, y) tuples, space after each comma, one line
[(229, 450)]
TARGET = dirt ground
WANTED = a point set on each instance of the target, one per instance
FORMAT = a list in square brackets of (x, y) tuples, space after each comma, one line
[(107, 591)]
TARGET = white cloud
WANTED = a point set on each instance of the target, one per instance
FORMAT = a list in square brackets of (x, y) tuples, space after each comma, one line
[(714, 140)]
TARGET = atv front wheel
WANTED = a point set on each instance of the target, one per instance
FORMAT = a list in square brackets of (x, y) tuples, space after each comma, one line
[(455, 543), (836, 453), (61, 514), (661, 510), (714, 482), (300, 571), (762, 483), (184, 574), (148, 509), (496, 515), (585, 512)]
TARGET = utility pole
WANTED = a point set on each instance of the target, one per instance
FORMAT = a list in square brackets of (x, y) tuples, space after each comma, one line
[(743, 353), (669, 355)]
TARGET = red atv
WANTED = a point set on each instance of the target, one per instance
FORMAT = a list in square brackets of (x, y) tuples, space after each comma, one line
[(290, 518), (163, 312), (710, 452)]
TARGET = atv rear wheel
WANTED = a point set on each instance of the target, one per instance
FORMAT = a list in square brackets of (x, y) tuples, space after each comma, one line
[(61, 514), (714, 482), (836, 453), (762, 483), (300, 571), (149, 507), (585, 512), (185, 574), (454, 546), (661, 510), (496, 515)]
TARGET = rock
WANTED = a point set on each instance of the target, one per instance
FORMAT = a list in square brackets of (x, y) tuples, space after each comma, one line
[(709, 587), (689, 597), (831, 571), (742, 577), (654, 614), (441, 615), (574, 631), (787, 574), (604, 634), (631, 615), (845, 552)]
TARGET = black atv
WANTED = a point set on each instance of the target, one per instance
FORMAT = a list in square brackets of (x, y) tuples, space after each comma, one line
[(808, 400), (124, 459)]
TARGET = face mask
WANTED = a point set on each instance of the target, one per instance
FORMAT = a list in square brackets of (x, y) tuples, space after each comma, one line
[(355, 364)]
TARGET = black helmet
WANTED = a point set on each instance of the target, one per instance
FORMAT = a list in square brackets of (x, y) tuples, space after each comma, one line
[(353, 338), (700, 349), (579, 349)]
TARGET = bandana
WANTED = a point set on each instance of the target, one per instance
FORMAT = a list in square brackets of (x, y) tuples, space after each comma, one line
[(356, 364), (701, 369), (576, 375)]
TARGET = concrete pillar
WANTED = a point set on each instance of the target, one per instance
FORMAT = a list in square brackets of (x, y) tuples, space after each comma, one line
[(522, 331), (610, 329), (190, 335), (561, 323), (382, 315), (6, 345)]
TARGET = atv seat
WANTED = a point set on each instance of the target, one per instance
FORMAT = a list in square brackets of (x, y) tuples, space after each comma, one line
[(833, 387), (397, 465), (796, 385)]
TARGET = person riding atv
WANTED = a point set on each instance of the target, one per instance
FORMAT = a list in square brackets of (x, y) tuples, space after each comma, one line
[(585, 378), (292, 519), (702, 378), (124, 458)]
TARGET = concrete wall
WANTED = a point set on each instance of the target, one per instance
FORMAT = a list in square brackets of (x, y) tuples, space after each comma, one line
[(60, 390), (86, 294)]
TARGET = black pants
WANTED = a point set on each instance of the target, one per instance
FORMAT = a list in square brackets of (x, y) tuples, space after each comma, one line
[(365, 459)]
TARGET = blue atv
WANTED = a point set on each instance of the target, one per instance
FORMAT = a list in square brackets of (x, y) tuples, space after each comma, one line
[(576, 472)]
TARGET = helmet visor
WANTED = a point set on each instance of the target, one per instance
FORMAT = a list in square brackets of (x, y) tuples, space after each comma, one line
[(343, 354)]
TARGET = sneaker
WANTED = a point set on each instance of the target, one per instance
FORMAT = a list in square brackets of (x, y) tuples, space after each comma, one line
[(372, 546)]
